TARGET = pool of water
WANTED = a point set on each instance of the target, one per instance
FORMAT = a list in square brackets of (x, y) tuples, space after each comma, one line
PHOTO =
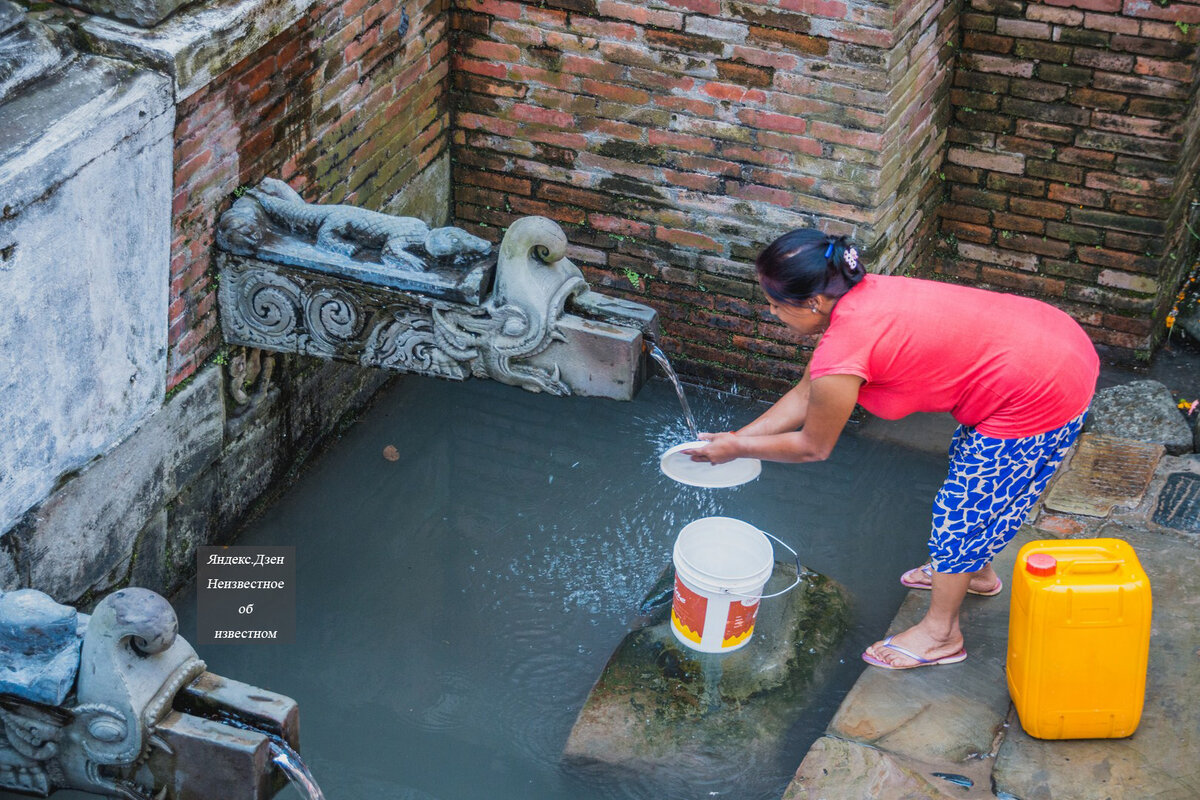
[(455, 606)]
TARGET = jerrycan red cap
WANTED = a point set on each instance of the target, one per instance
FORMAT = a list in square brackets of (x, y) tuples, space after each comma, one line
[(1041, 564)]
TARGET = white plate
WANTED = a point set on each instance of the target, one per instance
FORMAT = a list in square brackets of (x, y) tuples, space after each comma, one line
[(679, 465)]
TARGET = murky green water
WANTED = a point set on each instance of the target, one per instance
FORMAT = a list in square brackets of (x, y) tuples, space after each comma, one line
[(455, 606)]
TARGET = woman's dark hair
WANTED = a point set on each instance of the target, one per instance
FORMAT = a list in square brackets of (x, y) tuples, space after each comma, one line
[(807, 262)]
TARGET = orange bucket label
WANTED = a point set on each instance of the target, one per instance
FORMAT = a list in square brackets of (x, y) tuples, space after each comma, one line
[(688, 610), (740, 623)]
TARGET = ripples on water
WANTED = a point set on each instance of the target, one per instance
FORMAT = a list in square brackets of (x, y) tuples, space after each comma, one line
[(455, 606)]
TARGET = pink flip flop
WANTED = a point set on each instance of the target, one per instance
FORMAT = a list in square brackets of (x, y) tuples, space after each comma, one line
[(928, 570), (955, 658)]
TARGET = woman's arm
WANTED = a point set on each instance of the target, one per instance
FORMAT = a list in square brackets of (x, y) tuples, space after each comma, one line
[(831, 400), (786, 414)]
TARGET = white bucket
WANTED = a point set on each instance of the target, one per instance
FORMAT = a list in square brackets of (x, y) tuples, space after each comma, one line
[(721, 567)]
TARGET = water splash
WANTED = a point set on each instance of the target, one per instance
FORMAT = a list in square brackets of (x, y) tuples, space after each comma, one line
[(664, 362), (290, 762)]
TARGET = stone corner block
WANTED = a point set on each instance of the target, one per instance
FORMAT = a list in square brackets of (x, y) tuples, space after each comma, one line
[(1142, 410), (198, 43)]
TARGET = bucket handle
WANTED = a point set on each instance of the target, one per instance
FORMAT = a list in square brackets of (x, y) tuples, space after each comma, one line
[(795, 583)]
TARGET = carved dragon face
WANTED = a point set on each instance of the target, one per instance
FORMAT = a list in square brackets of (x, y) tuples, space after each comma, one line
[(454, 241), (241, 228)]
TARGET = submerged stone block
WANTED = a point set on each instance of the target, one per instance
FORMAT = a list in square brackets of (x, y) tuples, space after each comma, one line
[(658, 703)]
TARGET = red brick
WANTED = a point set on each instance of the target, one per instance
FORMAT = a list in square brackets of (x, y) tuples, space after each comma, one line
[(965, 230), (1133, 242), (1186, 13), (1038, 208), (1139, 206), (1110, 182), (639, 14), (817, 8), (1135, 126), (1045, 130), (1035, 244), (524, 112), (1017, 222), (679, 141), (1075, 195), (866, 140), (1112, 24), (1104, 6), (1085, 157), (761, 194), (1023, 282), (997, 162), (619, 226), (1180, 71), (790, 41), (1099, 59), (1117, 259), (978, 216), (729, 92), (1016, 185)]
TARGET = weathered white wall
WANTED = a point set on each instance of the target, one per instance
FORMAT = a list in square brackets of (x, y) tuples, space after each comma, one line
[(85, 204)]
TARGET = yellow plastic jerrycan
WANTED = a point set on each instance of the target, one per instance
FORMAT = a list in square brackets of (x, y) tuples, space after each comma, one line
[(1078, 638)]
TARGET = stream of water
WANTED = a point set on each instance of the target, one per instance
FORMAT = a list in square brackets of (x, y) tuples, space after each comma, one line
[(659, 356)]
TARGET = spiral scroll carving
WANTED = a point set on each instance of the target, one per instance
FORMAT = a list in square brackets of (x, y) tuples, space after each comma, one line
[(267, 307), (332, 320)]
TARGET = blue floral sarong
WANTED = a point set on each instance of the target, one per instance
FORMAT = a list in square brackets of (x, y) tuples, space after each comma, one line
[(989, 489)]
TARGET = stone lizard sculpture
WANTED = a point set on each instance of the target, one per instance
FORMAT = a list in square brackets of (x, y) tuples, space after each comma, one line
[(343, 229)]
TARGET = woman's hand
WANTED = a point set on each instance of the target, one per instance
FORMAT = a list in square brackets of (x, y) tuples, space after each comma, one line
[(721, 447)]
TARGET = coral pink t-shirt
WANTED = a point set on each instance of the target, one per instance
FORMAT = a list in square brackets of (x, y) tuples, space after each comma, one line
[(1006, 365)]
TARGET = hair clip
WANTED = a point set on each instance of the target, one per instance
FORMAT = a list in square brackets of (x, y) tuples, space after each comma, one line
[(851, 257), (829, 251)]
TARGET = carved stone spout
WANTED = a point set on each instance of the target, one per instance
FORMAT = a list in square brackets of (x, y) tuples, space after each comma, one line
[(294, 279), (119, 705)]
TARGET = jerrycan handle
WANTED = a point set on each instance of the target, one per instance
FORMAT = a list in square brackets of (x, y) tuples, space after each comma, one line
[(1093, 567)]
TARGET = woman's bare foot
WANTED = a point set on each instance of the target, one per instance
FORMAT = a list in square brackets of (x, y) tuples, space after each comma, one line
[(984, 582)]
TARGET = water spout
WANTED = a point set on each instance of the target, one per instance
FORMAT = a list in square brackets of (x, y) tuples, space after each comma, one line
[(661, 357), (289, 761)]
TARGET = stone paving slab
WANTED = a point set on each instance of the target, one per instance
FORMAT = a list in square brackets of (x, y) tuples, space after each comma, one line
[(1162, 759), (1179, 502), (895, 731), (842, 770), (1104, 472), (948, 714)]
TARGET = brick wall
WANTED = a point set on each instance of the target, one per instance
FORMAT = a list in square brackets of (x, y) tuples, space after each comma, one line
[(672, 139), (1072, 158), (339, 105)]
